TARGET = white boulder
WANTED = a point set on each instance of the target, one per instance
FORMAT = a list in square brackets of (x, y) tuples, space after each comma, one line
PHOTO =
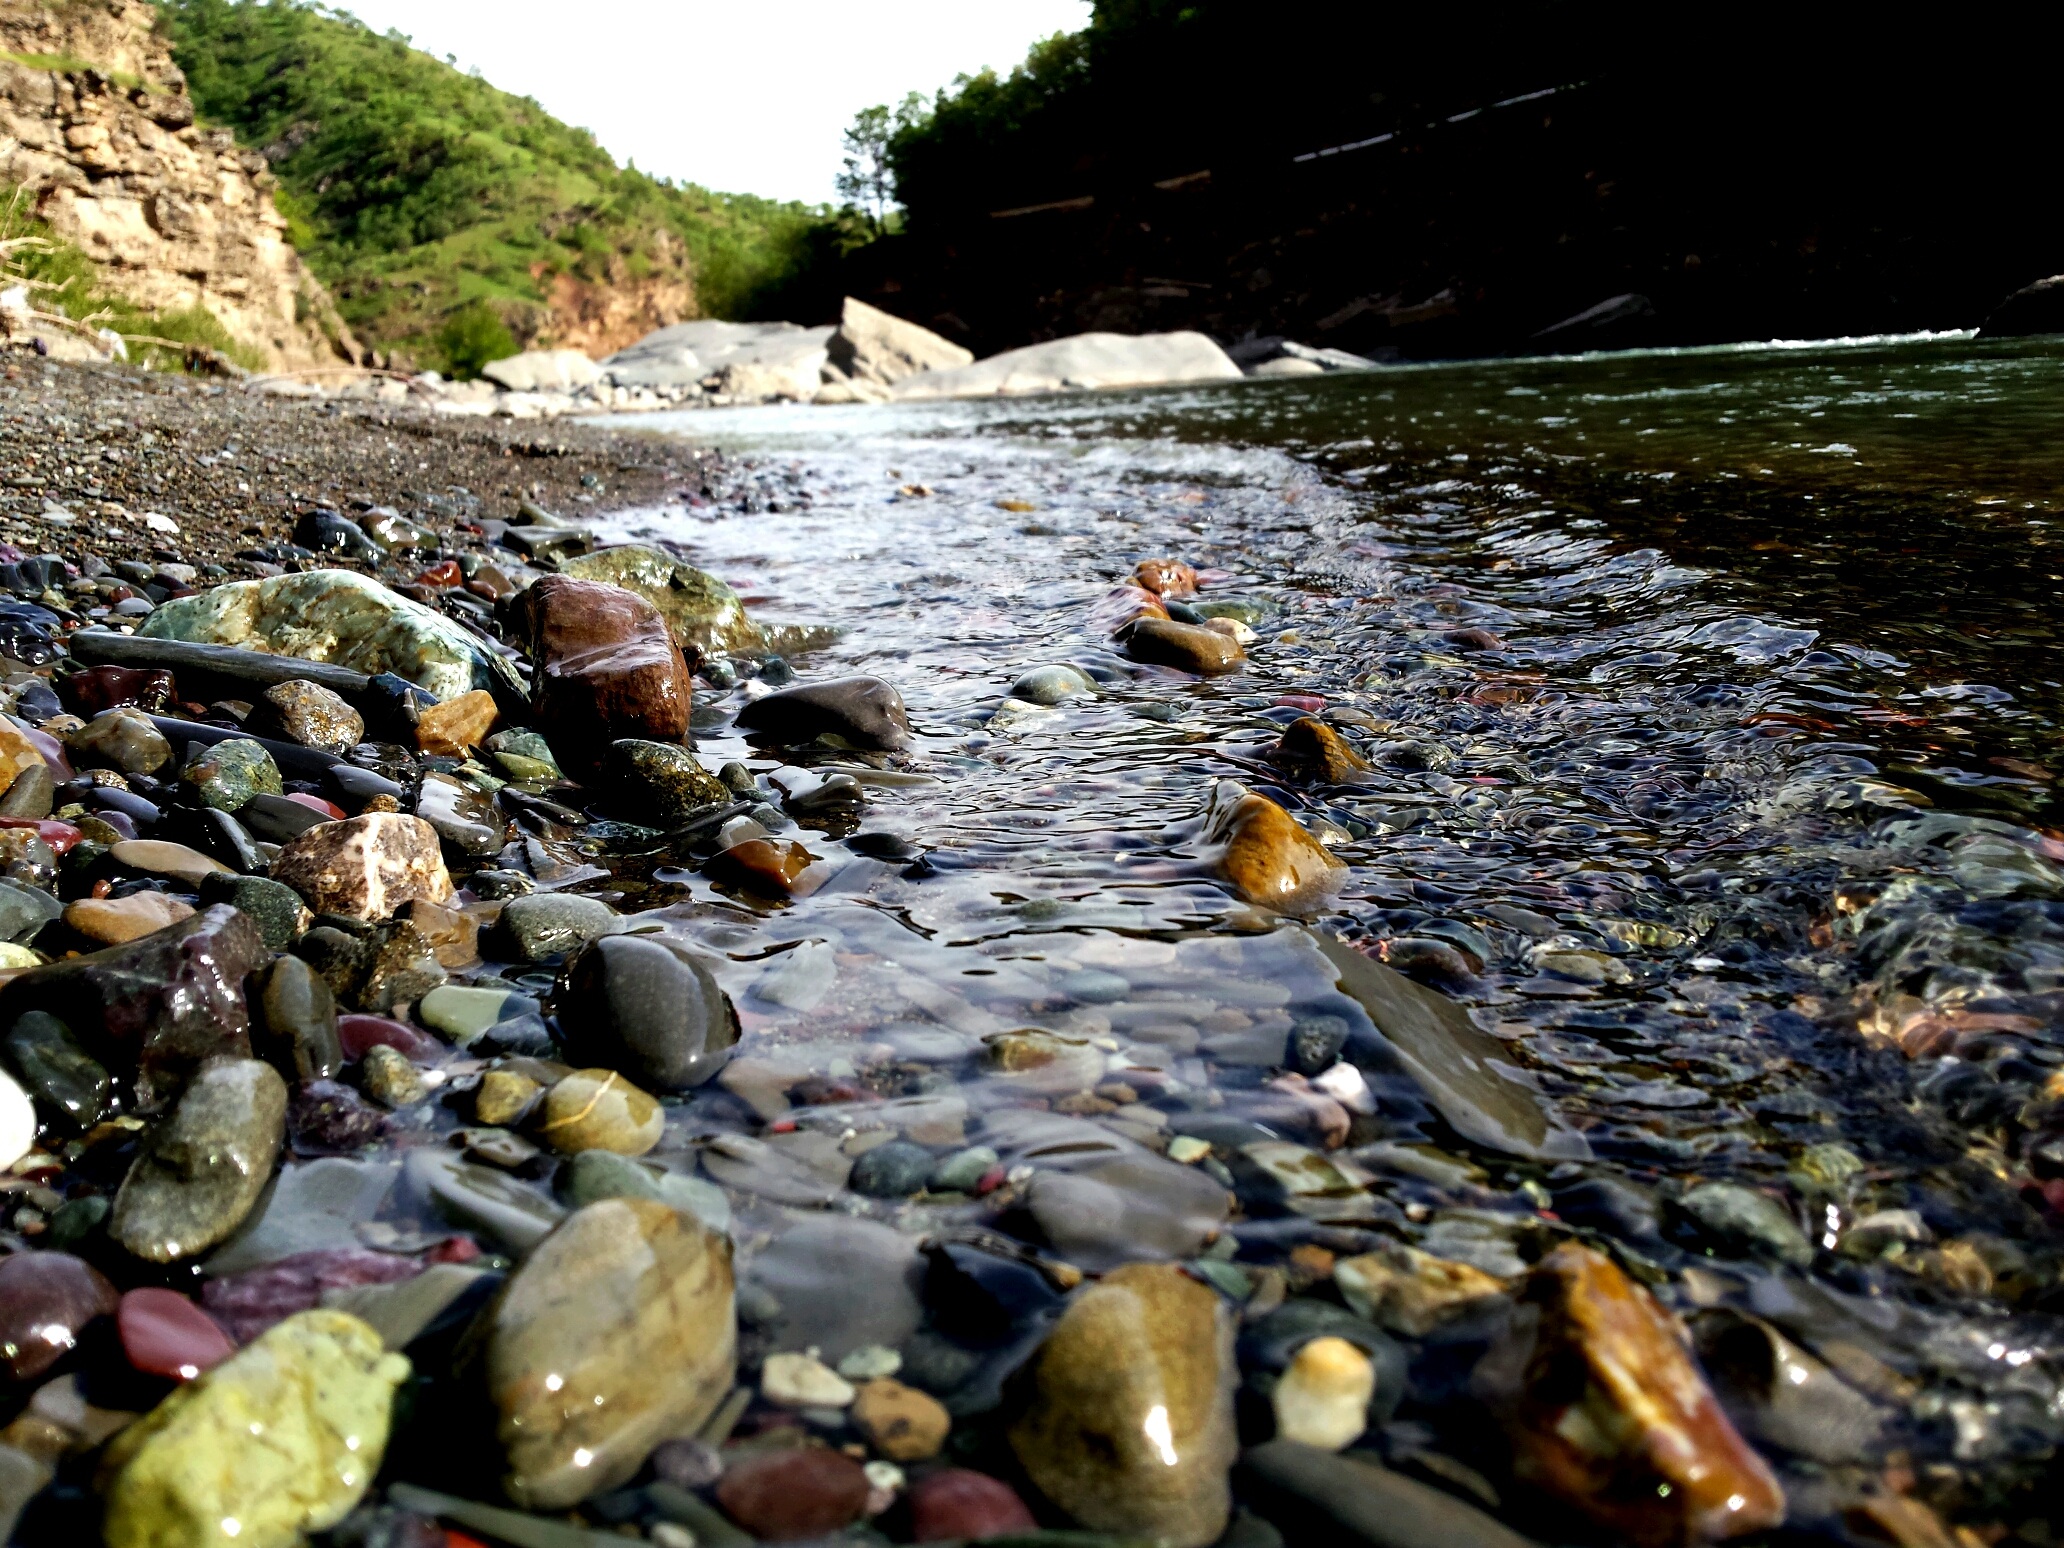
[(544, 370), (1086, 362), (685, 354), (874, 346)]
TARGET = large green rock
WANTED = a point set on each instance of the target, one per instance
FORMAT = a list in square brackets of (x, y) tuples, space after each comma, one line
[(342, 618), (704, 614)]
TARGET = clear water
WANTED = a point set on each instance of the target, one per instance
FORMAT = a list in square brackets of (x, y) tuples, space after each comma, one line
[(1741, 833)]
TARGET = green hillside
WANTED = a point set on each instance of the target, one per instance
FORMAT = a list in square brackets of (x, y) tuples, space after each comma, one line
[(441, 211)]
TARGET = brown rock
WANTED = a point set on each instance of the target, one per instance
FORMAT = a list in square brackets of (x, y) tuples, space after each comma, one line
[(112, 921), (1123, 606), (1189, 647), (600, 1110), (366, 866), (606, 668), (46, 1299), (1165, 577), (1268, 858), (1606, 1410), (1130, 1428), (308, 713), (790, 1496), (902, 1423), (156, 857), (764, 865), (1314, 750), (454, 727), (453, 935), (17, 753)]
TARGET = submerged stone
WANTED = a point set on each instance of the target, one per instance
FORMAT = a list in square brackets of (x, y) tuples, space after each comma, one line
[(1268, 858), (861, 712), (1130, 1427), (1186, 647), (616, 1333), (648, 1006)]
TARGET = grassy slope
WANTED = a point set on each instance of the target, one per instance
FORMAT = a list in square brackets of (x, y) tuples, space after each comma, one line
[(416, 191)]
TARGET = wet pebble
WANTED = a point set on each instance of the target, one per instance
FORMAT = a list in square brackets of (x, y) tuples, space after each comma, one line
[(123, 739), (68, 1082), (1049, 685), (386, 1076), (111, 921), (956, 1504), (548, 924), (895, 1170), (859, 712), (647, 1006), (1322, 1397), (204, 1167), (46, 1301), (787, 1496), (165, 1334), (365, 867), (599, 1110), (803, 1381), (312, 715), (227, 774)]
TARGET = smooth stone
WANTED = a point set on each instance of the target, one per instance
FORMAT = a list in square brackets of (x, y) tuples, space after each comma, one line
[(462, 1012), (1043, 1063), (479, 1198), (505, 1097), (31, 793), (648, 1006), (25, 910), (1187, 647), (1322, 1397), (297, 1022), (455, 727), (326, 1118), (629, 1305), (594, 1175), (227, 774), (661, 784), (452, 933), (548, 924), (959, 1172), (123, 739), (157, 1006), (69, 1083), (1049, 685), (1356, 1502), (165, 1334), (1596, 1391), (802, 1381), (46, 1301), (389, 1079), (319, 1390), (403, 1309), (902, 1423), (1092, 986), (1413, 1292), (336, 617), (111, 921), (1746, 1222), (784, 1176), (870, 1363), (841, 1284), (359, 1035), (768, 866), (959, 1505), (783, 1496), (248, 1303), (1126, 1207), (1130, 1425), (315, 1206), (366, 867), (94, 689), (1267, 857), (203, 1169), (704, 615), (859, 712), (462, 816), (155, 857), (896, 1170), (604, 667), (1314, 750), (310, 715), (982, 1297), (1453, 1060), (599, 1110)]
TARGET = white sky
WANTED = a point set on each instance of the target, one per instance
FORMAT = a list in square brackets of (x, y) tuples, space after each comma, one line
[(743, 96)]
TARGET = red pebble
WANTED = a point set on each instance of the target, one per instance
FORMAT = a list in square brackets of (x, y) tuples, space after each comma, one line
[(960, 1504), (1310, 703), (444, 573), (461, 1540), (316, 803), (60, 836), (990, 1180), (788, 1496), (358, 1033), (165, 1334), (453, 1249)]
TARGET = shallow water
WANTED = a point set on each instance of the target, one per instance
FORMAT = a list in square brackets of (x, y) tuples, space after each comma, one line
[(1738, 827)]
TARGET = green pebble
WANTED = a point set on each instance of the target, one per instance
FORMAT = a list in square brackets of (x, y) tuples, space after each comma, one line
[(229, 773), (462, 1012)]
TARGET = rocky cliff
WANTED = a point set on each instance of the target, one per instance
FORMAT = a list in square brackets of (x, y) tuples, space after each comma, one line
[(96, 125)]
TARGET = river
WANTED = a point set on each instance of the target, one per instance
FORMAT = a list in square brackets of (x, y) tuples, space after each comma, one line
[(1711, 699)]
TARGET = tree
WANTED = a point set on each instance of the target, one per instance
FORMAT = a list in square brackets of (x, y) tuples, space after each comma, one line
[(867, 183)]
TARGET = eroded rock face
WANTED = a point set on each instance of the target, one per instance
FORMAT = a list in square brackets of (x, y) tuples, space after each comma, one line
[(317, 1391), (605, 667), (174, 215), (616, 1333), (1606, 1410), (367, 867), (874, 346), (1130, 1429), (157, 1006), (340, 617)]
